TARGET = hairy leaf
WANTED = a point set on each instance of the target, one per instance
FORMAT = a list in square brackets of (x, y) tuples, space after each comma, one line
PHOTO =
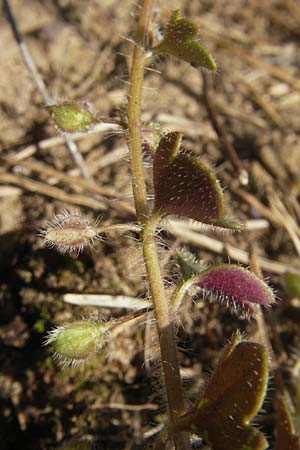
[(180, 40), (184, 186), (236, 286), (233, 396)]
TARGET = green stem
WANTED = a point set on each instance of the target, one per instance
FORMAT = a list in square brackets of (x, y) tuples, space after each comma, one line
[(180, 293), (163, 316), (119, 227)]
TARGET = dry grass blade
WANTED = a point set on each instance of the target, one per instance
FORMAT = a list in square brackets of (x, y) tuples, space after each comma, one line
[(226, 145), (106, 301), (285, 219), (50, 191), (39, 82), (74, 182), (221, 248)]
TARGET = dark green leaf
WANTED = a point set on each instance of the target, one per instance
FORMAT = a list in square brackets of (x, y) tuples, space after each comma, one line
[(180, 40)]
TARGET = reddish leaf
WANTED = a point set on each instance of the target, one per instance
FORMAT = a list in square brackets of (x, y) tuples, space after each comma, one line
[(184, 186), (236, 286), (233, 396)]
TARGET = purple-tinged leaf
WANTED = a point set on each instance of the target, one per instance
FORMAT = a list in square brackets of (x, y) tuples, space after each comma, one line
[(232, 398), (180, 40), (236, 286), (184, 186)]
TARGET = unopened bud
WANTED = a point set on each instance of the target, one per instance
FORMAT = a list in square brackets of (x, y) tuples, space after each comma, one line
[(77, 342)]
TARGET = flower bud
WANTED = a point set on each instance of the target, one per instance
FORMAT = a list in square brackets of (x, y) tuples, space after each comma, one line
[(77, 342)]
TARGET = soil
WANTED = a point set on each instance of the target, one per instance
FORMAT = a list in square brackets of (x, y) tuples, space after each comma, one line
[(82, 51)]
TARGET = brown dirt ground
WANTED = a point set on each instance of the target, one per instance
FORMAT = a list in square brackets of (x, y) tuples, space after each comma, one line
[(81, 52)]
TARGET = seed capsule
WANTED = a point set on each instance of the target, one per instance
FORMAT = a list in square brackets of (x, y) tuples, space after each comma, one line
[(74, 343), (71, 117), (70, 232)]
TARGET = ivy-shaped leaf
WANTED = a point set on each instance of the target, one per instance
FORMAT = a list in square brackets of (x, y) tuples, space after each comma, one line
[(232, 398), (184, 186), (180, 40)]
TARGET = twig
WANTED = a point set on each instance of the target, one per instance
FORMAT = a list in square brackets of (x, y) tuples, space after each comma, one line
[(106, 301), (39, 82), (50, 191), (248, 225), (226, 145), (285, 219), (228, 44), (73, 181), (221, 248), (269, 109), (255, 203), (125, 407)]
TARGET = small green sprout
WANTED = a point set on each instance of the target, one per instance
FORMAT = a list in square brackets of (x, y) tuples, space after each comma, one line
[(180, 40)]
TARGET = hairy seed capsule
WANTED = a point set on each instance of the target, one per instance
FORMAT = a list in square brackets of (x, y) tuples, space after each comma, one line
[(70, 231), (72, 117), (77, 342)]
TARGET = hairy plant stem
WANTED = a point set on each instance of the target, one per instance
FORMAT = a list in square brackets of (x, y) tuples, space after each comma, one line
[(163, 314)]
